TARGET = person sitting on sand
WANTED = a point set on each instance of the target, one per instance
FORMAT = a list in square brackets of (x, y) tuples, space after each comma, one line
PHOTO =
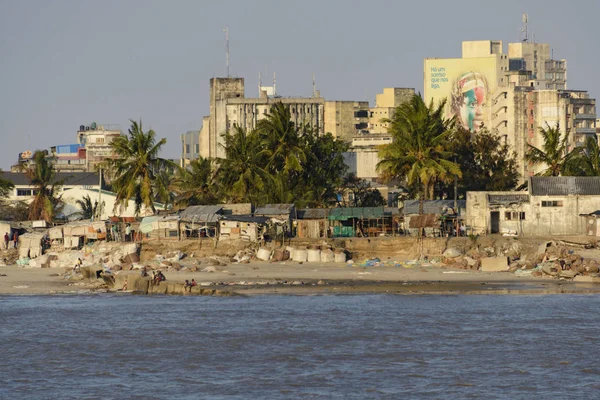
[(193, 283), (187, 286), (77, 266)]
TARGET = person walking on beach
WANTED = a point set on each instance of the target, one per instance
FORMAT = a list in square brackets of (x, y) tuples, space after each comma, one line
[(15, 240), (6, 240)]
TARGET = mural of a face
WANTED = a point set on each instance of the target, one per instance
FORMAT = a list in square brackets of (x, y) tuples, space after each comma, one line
[(469, 99)]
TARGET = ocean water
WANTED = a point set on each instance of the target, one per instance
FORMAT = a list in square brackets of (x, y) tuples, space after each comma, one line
[(296, 347)]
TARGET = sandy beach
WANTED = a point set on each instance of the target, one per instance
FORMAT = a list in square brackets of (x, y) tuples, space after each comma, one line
[(293, 278)]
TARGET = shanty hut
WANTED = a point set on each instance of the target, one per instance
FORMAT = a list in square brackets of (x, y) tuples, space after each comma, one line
[(160, 228), (280, 216), (56, 236), (200, 221), (74, 234), (30, 244), (311, 223), (358, 221), (244, 227), (438, 217)]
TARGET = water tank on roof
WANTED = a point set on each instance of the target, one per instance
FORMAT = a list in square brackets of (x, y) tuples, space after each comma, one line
[(81, 128), (94, 126), (87, 128)]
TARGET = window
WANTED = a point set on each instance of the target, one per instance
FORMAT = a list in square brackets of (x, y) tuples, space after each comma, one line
[(187, 148), (514, 216), (552, 203), (197, 148), (23, 192)]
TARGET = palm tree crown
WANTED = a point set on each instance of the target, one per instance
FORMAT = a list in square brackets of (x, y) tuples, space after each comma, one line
[(554, 153), (136, 166), (418, 151)]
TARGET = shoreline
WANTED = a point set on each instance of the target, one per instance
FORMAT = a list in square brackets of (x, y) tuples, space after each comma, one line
[(265, 278)]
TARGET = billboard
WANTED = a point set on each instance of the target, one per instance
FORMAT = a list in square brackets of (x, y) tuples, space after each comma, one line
[(466, 84)]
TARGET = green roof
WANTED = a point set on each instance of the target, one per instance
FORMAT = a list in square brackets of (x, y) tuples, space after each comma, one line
[(344, 214)]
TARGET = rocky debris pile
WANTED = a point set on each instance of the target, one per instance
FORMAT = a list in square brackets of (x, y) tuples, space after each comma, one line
[(552, 259), (8, 257)]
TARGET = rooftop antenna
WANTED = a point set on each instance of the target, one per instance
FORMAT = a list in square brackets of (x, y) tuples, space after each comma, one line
[(274, 87), (524, 28), (314, 86), (226, 30), (259, 83)]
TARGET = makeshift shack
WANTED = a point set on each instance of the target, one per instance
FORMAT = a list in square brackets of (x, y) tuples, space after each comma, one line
[(74, 234), (439, 217), (358, 221), (244, 227), (200, 221), (96, 231), (160, 228), (55, 235), (280, 216), (311, 223), (30, 245)]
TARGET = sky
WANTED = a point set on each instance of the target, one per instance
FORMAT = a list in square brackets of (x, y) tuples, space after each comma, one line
[(69, 63)]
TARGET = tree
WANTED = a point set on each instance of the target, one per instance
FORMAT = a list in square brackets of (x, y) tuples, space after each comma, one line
[(587, 158), (42, 176), (360, 194), (554, 153), (486, 163), (419, 149), (281, 141), (241, 174), (88, 208), (136, 166), (195, 184), (324, 170), (5, 186)]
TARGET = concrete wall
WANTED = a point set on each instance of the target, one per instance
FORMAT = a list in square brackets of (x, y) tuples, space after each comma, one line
[(481, 48), (540, 219), (346, 119)]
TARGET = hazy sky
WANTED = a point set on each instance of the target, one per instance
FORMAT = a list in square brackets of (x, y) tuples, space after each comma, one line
[(68, 63)]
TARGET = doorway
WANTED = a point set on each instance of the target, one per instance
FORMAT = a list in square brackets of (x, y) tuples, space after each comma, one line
[(495, 216)]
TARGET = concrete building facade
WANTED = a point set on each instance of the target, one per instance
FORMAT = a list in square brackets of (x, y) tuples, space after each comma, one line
[(553, 206), (513, 95)]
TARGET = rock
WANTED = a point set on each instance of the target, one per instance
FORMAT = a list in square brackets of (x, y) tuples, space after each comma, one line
[(451, 252), (470, 261), (592, 268), (568, 274), (494, 264), (176, 266), (209, 269), (542, 248)]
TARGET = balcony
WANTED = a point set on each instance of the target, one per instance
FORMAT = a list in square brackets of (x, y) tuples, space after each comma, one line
[(586, 131), (585, 116)]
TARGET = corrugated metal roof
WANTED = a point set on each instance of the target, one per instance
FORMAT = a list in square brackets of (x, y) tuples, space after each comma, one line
[(246, 218), (313, 213), (504, 199), (346, 213), (70, 178), (274, 209), (201, 213), (565, 185), (437, 207)]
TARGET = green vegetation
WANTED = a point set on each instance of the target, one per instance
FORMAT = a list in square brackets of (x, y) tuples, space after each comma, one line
[(420, 151), (88, 208), (42, 176), (134, 171), (554, 153), (5, 186)]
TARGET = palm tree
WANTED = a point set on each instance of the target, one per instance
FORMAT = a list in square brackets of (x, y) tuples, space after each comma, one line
[(89, 210), (163, 187), (587, 159), (554, 153), (283, 146), (241, 176), (136, 166), (195, 184), (418, 151), (42, 176)]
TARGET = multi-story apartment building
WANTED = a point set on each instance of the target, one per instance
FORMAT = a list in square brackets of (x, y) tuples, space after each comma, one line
[(512, 95)]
